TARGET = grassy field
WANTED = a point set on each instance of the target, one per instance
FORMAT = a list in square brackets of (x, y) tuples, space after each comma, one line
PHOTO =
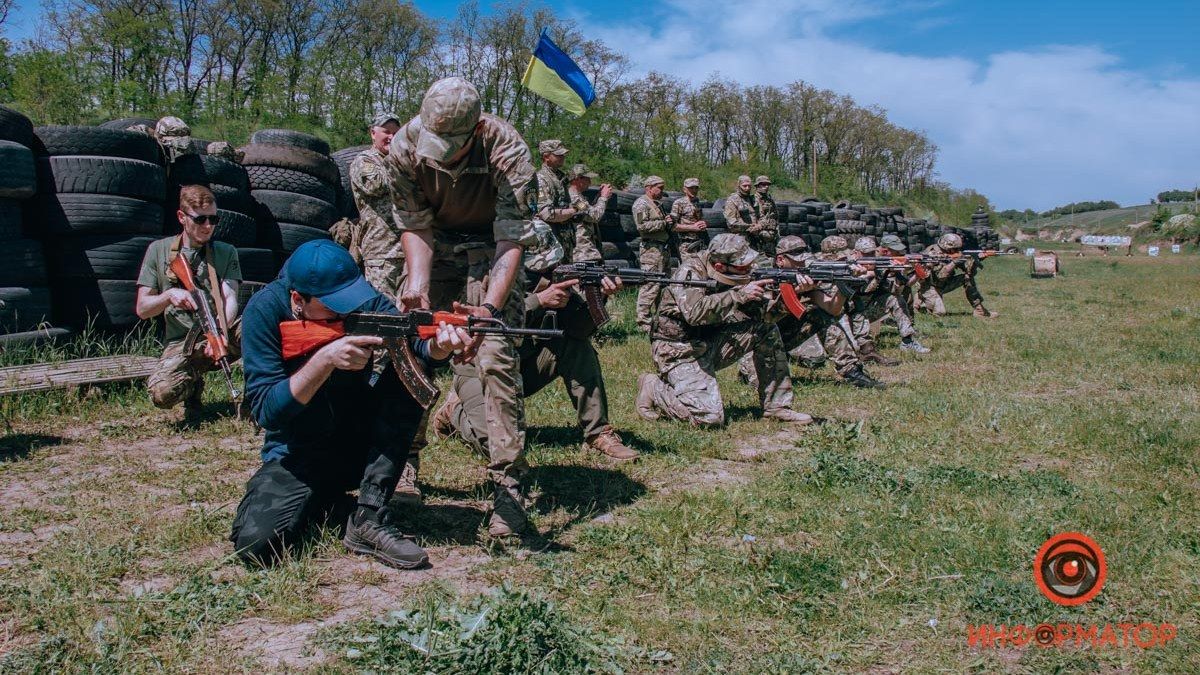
[(1108, 221), (869, 544)]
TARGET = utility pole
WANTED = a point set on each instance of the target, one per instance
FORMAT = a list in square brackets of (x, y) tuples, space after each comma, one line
[(813, 153)]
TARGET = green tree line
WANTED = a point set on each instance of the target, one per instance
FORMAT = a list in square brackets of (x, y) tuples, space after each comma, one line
[(1176, 196), (228, 66)]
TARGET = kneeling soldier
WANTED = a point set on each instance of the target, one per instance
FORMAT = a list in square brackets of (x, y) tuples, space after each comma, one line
[(944, 277), (179, 375), (698, 332), (331, 425)]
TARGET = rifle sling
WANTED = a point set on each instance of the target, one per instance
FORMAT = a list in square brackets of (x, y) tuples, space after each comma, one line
[(214, 291)]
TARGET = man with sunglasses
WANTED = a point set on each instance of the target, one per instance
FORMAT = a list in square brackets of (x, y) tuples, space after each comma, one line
[(179, 375), (699, 331)]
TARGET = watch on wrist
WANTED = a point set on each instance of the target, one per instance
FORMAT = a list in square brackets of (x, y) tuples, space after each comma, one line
[(492, 309)]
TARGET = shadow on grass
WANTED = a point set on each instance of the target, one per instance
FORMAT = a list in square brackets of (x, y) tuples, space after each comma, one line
[(209, 412), (565, 436), (18, 446), (582, 490)]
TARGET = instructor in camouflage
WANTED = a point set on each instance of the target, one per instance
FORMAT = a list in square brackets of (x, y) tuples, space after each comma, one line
[(587, 215), (654, 227), (689, 220)]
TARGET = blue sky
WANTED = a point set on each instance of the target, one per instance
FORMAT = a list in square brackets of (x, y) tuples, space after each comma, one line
[(1032, 103)]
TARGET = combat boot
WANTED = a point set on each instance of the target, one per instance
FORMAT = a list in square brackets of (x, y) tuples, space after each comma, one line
[(868, 353), (610, 444), (442, 423), (374, 535), (645, 396), (508, 511), (788, 415), (910, 344), (407, 491), (984, 313), (193, 405), (859, 378)]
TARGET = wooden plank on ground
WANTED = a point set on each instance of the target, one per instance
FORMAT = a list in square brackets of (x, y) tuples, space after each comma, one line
[(43, 376)]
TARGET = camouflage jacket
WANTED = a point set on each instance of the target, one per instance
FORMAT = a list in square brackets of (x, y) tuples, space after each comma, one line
[(768, 216), (651, 222), (587, 227), (941, 273), (687, 211), (694, 309), (483, 195), (585, 211), (379, 238), (553, 202)]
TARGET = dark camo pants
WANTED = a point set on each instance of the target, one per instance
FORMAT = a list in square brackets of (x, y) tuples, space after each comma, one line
[(178, 376), (284, 498)]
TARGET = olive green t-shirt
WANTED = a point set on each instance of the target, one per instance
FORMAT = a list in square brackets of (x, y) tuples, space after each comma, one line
[(154, 276)]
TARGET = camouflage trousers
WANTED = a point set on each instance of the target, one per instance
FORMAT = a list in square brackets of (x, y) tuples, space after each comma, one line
[(287, 496), (930, 296), (587, 244), (839, 347), (462, 275), (179, 374), (686, 388), (573, 360), (691, 247), (653, 257), (876, 307)]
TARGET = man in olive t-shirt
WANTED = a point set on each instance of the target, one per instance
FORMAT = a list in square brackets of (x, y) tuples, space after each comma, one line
[(179, 375)]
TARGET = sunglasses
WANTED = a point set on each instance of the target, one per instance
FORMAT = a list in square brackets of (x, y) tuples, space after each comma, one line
[(203, 219)]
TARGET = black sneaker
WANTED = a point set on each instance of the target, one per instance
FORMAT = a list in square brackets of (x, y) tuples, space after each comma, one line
[(385, 542), (859, 378)]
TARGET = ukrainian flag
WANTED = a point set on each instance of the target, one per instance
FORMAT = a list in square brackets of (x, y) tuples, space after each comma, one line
[(555, 77)]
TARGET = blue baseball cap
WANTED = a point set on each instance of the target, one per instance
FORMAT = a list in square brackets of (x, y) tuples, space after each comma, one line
[(325, 271)]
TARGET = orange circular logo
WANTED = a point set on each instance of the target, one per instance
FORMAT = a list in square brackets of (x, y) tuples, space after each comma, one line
[(1070, 569)]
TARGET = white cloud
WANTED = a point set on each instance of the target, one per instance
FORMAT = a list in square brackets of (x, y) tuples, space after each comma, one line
[(1031, 128)]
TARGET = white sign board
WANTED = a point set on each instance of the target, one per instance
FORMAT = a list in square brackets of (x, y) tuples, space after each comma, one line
[(1100, 240), (1153, 251), (1029, 252), (1005, 241), (1176, 248)]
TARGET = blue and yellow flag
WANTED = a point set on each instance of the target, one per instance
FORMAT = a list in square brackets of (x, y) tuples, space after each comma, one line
[(555, 77)]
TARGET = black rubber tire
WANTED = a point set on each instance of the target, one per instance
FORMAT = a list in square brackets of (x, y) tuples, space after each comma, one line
[(714, 217), (185, 170), (221, 171), (10, 220), (99, 257), (288, 180), (44, 335), (22, 263), (292, 235), (258, 264), (18, 178), (23, 309), (105, 303), (15, 127), (614, 234), (628, 225), (345, 198), (58, 141), (624, 201), (231, 199), (235, 228), (126, 122), (59, 214), (103, 175), (289, 207), (296, 159), (293, 139)]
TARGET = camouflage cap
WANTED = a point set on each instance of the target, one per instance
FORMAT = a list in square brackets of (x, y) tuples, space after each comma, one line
[(552, 147), (893, 243), (691, 182), (653, 180), (141, 129), (546, 252), (761, 180), (224, 151), (175, 137), (834, 243), (449, 113), (383, 118), (731, 249), (865, 245), (793, 247), (172, 126), (581, 171), (950, 241)]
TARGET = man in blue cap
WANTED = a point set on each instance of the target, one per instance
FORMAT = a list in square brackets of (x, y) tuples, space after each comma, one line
[(330, 426)]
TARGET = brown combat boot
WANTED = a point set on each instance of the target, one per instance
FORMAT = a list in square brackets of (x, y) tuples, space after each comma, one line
[(610, 444), (984, 313), (407, 491), (645, 396), (868, 353), (193, 406), (788, 415), (508, 511), (442, 423)]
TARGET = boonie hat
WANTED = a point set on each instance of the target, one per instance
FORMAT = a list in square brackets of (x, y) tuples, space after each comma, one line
[(792, 247), (731, 249), (761, 180)]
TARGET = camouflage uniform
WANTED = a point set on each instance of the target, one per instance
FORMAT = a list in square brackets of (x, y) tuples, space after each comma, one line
[(836, 341), (945, 277), (470, 207), (378, 238), (654, 256), (697, 333), (687, 211), (175, 137), (554, 206), (768, 220), (587, 220)]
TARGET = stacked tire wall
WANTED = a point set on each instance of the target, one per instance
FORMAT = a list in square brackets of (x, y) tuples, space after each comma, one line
[(25, 297)]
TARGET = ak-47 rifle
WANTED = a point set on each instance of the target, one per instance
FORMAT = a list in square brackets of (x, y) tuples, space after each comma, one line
[(591, 274), (817, 270), (303, 337), (218, 344)]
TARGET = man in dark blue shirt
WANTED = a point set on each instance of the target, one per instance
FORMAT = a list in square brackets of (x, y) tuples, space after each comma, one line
[(331, 424)]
